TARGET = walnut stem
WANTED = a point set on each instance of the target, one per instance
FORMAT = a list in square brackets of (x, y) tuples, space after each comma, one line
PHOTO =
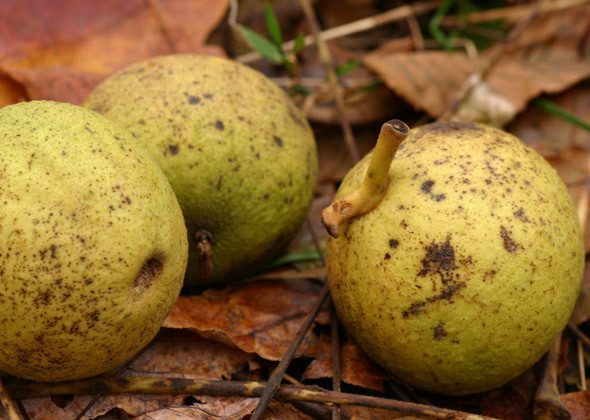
[(203, 238), (371, 192)]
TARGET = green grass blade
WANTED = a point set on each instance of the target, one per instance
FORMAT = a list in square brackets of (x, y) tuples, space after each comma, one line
[(560, 112)]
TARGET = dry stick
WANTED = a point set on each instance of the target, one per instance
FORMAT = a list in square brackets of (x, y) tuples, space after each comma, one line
[(317, 411), (274, 382), (509, 14), (581, 365), (487, 65), (415, 31), (581, 336), (325, 58), (182, 386), (13, 411), (336, 414), (393, 15), (547, 403)]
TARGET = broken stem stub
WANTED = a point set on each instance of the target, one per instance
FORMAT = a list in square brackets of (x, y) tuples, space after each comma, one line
[(372, 190), (204, 241)]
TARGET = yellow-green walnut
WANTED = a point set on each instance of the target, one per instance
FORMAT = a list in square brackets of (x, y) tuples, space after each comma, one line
[(93, 246), (469, 266), (238, 153)]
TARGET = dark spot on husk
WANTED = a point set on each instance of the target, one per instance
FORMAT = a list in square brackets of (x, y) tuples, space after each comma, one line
[(193, 100), (509, 244), (439, 332), (278, 141), (173, 149), (393, 243), (439, 261), (387, 256), (426, 186), (521, 215)]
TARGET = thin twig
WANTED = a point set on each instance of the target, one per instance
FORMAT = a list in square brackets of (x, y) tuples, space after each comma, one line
[(361, 25), (182, 386), (336, 412), (509, 14), (13, 411), (547, 403), (325, 58), (581, 365), (335, 357), (274, 382), (581, 336), (496, 52)]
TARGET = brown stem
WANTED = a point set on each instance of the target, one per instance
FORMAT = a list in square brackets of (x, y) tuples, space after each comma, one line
[(325, 58), (274, 382), (183, 386), (373, 188), (578, 333), (204, 240), (336, 415), (11, 408), (547, 403)]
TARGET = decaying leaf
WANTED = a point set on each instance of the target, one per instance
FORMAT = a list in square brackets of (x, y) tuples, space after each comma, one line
[(261, 317), (356, 368), (206, 408), (578, 404), (174, 353), (550, 56), (550, 135), (61, 52)]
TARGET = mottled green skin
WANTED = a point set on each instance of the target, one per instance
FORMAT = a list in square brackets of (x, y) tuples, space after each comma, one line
[(83, 208), (239, 155), (461, 277)]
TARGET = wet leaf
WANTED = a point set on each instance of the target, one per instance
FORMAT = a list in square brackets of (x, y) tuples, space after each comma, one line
[(262, 317), (545, 59), (61, 52)]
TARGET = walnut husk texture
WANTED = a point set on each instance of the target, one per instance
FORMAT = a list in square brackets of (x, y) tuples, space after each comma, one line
[(239, 155), (93, 246), (461, 277)]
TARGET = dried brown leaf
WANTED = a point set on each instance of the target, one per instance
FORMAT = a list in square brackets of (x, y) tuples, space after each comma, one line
[(262, 317), (205, 409), (550, 135), (175, 354), (548, 58), (578, 404), (357, 368), (61, 50), (512, 401)]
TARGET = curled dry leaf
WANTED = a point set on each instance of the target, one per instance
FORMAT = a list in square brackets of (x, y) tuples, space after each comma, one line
[(261, 317), (356, 368), (61, 52), (550, 56)]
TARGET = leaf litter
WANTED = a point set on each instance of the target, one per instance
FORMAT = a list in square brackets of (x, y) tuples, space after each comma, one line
[(62, 52)]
